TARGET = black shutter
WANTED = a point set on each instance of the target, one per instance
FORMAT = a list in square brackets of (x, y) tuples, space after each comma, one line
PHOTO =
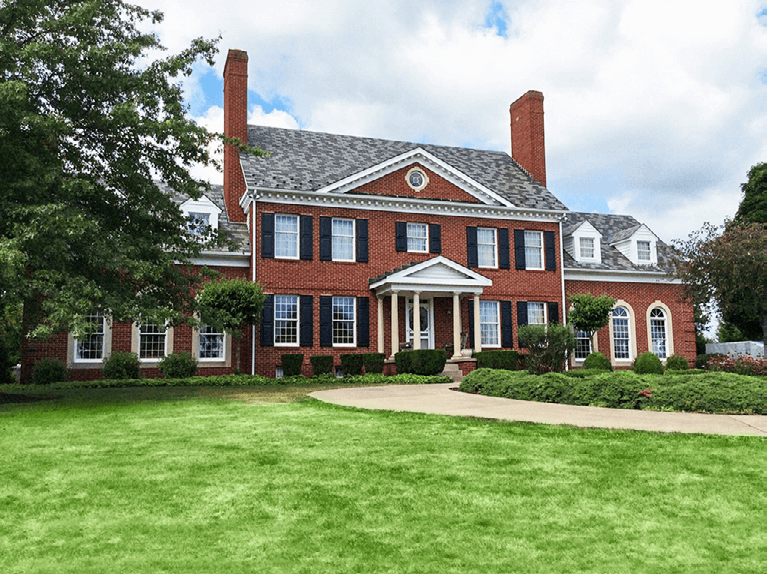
[(267, 235), (362, 240), (551, 250), (521, 316), (267, 322), (307, 237), (326, 239), (363, 322), (503, 248), (507, 339), (307, 320), (401, 237), (435, 238), (470, 342), (471, 246), (519, 249), (554, 313), (326, 321)]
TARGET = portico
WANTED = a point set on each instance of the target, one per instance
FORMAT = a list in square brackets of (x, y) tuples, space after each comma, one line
[(418, 283)]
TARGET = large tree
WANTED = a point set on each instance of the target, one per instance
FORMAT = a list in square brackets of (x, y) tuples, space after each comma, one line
[(753, 206), (88, 119)]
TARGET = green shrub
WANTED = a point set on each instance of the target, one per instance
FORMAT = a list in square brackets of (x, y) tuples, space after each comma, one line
[(583, 373), (701, 361), (677, 363), (178, 366), (122, 366), (49, 370), (351, 364), (597, 360), (648, 363), (291, 364), (321, 365), (548, 347), (6, 367), (507, 360), (421, 362), (374, 363)]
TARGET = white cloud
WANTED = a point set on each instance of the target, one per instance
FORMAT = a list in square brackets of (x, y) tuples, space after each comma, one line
[(656, 106)]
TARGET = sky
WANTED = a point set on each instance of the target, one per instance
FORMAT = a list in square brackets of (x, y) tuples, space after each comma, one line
[(653, 108)]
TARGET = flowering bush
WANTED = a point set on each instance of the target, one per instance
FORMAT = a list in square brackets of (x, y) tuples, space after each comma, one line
[(740, 366)]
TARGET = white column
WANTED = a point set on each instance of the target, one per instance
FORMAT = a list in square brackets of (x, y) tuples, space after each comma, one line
[(416, 320), (477, 333), (380, 324), (394, 325), (456, 326)]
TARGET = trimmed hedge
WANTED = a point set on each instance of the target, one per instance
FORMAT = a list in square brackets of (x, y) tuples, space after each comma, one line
[(648, 363), (374, 362), (351, 364), (122, 366), (507, 360), (321, 364), (421, 362), (49, 370), (291, 364), (178, 366), (597, 360), (677, 363), (709, 392)]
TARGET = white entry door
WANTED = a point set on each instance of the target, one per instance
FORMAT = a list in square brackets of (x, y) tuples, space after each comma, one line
[(427, 323)]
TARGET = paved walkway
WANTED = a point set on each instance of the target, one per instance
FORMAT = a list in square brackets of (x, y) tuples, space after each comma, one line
[(439, 399)]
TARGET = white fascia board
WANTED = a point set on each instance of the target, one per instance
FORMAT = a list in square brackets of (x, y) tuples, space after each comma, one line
[(609, 276), (223, 259), (418, 155), (204, 202), (404, 277)]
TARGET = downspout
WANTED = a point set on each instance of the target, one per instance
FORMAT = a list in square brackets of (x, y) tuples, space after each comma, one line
[(253, 266), (562, 273)]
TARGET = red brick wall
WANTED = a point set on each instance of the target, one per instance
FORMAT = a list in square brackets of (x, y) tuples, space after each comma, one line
[(642, 296), (235, 126), (395, 184), (528, 146)]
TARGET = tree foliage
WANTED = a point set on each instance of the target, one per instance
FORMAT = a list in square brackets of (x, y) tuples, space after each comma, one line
[(590, 312), (753, 206), (88, 121)]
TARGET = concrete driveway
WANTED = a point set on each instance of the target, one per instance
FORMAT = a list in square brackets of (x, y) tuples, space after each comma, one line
[(440, 399)]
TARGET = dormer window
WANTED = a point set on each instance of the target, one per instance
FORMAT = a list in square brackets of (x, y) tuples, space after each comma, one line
[(201, 214), (587, 248), (643, 252), (582, 242), (198, 222)]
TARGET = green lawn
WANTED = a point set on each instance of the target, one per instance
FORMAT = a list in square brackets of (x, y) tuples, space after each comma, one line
[(190, 480)]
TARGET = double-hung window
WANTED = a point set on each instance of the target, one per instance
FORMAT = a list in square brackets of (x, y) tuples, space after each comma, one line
[(198, 222), (344, 321), (587, 248), (643, 251), (658, 332), (417, 237), (621, 337), (211, 344), (286, 319), (533, 249), (91, 346), (286, 236), (343, 239), (582, 346), (487, 248), (536, 313), (152, 341), (489, 324)]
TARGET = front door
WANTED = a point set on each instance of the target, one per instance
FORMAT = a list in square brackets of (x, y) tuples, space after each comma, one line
[(427, 323)]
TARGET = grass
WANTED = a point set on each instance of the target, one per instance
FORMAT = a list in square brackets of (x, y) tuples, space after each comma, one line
[(244, 480)]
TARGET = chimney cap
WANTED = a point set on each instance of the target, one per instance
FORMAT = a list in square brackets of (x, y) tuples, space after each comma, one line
[(529, 95)]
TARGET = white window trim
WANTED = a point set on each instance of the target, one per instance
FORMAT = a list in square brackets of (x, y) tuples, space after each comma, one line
[(647, 261), (297, 320), (76, 359), (407, 237), (632, 336), (669, 329), (354, 321), (225, 361), (74, 363), (136, 344), (354, 239), (593, 348), (297, 234), (545, 312), (202, 205), (495, 248), (581, 248), (497, 325), (542, 248)]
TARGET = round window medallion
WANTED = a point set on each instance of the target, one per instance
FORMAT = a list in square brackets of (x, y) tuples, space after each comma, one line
[(417, 179)]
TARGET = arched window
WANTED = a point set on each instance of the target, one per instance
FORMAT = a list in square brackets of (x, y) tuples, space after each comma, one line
[(621, 334), (658, 332)]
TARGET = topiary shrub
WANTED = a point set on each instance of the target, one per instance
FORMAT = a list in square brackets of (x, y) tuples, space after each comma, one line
[(677, 363), (648, 363), (321, 364), (421, 362), (506, 360), (49, 370), (374, 362), (291, 364), (178, 366), (122, 366), (351, 364), (597, 360)]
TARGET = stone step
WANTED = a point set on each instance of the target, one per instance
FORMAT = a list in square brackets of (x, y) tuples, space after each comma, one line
[(453, 371)]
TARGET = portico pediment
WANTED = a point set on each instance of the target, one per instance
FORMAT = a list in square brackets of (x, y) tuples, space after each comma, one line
[(436, 275)]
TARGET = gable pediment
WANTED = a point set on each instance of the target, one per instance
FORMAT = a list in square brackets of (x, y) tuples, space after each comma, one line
[(438, 274)]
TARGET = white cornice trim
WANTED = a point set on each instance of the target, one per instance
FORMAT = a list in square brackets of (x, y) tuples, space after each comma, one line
[(615, 276), (404, 279), (223, 259), (406, 205), (418, 155)]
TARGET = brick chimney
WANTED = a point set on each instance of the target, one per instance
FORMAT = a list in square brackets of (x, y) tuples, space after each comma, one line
[(527, 141), (235, 126)]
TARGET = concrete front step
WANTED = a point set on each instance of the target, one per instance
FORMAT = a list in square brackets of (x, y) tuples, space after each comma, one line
[(453, 371)]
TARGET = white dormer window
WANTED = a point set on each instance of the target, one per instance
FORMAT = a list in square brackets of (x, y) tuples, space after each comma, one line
[(583, 243), (643, 252), (638, 244), (201, 213), (587, 248)]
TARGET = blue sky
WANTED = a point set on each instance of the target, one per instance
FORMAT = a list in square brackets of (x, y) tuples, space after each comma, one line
[(654, 108)]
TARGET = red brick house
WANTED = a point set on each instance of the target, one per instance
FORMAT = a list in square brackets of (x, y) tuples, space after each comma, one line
[(348, 235)]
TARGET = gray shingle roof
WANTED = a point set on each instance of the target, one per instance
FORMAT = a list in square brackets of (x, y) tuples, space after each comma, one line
[(308, 161), (612, 227)]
